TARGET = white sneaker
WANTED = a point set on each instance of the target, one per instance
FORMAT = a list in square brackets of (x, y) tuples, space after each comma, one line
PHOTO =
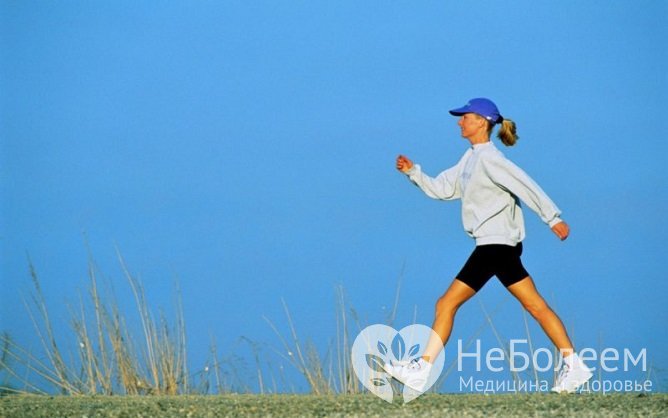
[(414, 374), (571, 378)]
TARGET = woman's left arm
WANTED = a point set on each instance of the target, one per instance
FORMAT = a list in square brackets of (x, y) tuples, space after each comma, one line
[(510, 177)]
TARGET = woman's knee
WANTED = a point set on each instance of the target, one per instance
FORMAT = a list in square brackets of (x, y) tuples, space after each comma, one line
[(538, 308), (446, 304), (453, 298)]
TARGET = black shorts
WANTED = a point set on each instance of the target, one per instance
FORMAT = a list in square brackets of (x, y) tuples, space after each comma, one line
[(502, 261)]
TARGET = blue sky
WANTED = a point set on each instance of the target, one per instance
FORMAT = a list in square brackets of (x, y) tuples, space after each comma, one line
[(246, 151)]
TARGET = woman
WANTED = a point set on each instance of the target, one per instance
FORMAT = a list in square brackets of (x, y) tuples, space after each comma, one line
[(490, 187)]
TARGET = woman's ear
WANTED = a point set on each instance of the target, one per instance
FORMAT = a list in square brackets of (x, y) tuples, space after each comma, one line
[(482, 122)]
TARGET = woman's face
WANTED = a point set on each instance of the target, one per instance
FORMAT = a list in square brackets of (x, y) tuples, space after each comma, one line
[(471, 124)]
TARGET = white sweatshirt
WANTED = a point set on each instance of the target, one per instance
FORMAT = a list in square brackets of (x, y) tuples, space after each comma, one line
[(489, 186)]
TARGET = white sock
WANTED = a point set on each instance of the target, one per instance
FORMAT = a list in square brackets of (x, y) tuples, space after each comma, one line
[(575, 362), (424, 364)]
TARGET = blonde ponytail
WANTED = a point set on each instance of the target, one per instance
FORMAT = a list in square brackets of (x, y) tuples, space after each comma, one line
[(508, 133)]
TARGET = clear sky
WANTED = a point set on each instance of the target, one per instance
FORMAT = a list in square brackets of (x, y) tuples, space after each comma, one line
[(245, 149)]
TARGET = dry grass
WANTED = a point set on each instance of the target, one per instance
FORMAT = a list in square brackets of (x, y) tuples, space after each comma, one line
[(333, 373), (109, 360)]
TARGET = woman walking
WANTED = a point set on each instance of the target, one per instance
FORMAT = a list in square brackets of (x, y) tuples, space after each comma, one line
[(490, 187)]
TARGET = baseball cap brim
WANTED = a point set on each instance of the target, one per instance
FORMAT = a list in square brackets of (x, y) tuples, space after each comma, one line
[(461, 111)]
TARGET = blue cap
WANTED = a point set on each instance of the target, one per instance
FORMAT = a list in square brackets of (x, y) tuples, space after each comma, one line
[(480, 106)]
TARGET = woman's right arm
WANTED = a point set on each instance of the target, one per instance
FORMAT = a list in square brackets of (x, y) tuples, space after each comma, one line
[(444, 187)]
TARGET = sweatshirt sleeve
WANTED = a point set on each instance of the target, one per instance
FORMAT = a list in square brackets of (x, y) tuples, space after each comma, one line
[(507, 175), (443, 187)]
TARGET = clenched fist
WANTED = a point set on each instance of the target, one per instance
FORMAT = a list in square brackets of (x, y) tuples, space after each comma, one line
[(561, 230), (404, 164)]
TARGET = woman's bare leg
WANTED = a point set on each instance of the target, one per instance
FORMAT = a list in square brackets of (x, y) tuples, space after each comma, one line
[(525, 291), (446, 308)]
